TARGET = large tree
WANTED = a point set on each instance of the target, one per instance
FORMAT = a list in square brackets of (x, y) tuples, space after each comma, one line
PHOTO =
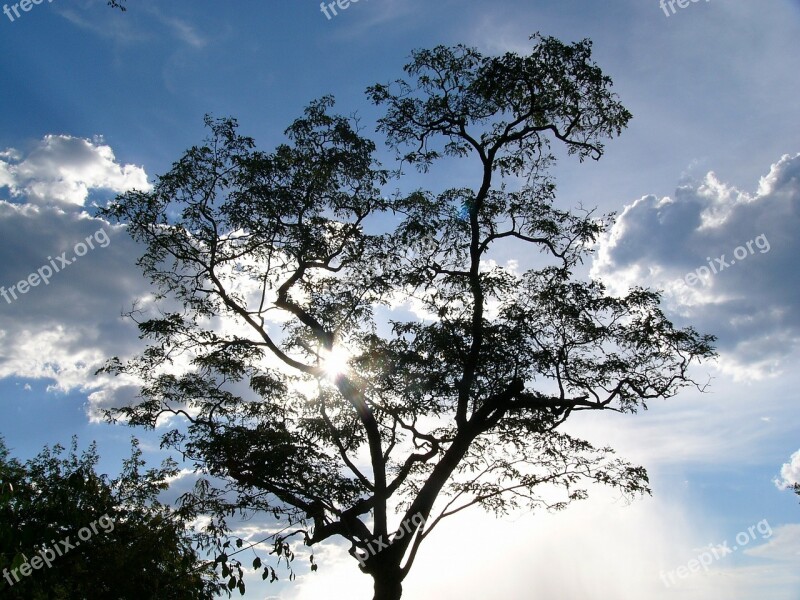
[(138, 547), (311, 395)]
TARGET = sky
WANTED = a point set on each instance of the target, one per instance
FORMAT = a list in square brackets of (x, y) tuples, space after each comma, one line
[(705, 183)]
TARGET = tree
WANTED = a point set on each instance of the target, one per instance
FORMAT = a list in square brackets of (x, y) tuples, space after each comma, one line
[(307, 400), (120, 4), (137, 548)]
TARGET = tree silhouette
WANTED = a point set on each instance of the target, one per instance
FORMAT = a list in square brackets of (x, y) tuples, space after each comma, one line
[(316, 402), (138, 548)]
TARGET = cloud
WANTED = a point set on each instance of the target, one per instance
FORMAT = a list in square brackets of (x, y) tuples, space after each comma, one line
[(182, 30), (790, 472), (62, 170), (130, 28), (784, 545), (73, 274), (597, 548), (740, 249), (64, 328)]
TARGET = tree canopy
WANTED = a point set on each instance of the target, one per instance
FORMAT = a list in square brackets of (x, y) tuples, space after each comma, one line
[(311, 395), (138, 547)]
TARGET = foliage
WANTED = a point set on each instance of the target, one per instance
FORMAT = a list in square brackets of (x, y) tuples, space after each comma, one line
[(301, 255), (146, 553)]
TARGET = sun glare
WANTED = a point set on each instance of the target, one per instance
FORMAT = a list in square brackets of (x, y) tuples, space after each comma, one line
[(335, 362)]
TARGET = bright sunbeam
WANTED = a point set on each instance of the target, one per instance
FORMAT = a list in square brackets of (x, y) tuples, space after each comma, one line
[(335, 362)]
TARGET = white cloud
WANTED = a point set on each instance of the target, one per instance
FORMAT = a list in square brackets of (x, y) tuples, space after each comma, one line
[(600, 548), (63, 170), (790, 472), (131, 29), (64, 328), (182, 30), (747, 295), (783, 545)]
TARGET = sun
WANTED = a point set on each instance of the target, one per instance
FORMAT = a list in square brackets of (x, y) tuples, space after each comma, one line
[(335, 362)]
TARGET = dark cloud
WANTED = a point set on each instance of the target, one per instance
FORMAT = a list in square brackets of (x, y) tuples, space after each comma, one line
[(740, 248), (67, 276)]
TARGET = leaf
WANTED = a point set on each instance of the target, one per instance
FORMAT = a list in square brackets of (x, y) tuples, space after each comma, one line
[(232, 583), (257, 563), (239, 543)]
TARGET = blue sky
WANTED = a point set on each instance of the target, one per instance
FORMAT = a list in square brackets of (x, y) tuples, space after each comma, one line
[(95, 102)]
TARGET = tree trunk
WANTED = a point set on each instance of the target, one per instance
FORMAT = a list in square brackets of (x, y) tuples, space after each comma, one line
[(388, 587)]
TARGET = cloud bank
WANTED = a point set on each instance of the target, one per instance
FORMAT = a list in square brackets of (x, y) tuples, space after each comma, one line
[(65, 328), (62, 170), (725, 259)]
